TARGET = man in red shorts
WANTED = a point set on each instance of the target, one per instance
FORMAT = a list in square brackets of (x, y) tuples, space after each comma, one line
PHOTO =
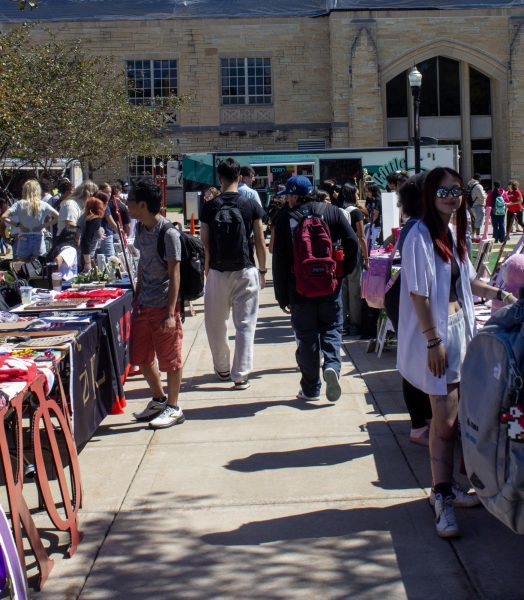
[(156, 327)]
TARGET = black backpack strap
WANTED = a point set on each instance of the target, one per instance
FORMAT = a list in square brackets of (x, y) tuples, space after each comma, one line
[(161, 241), (315, 209)]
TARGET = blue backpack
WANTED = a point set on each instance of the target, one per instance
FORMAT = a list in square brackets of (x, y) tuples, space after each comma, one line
[(499, 206), (491, 413)]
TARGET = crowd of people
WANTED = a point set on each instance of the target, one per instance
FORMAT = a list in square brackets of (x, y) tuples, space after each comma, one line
[(69, 227), (321, 241), (431, 305)]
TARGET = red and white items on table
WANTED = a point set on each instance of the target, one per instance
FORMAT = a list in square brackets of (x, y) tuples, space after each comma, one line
[(100, 296), (13, 368)]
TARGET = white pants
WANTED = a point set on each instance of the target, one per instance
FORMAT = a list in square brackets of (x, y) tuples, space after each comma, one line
[(235, 291)]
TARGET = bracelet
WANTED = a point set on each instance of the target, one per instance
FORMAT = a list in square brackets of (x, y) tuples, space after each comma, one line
[(262, 272), (430, 329), (434, 343), (499, 294)]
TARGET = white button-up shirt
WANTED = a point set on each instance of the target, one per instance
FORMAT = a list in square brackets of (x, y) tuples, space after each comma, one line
[(424, 273)]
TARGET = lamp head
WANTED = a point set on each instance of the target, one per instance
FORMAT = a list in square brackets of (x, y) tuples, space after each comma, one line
[(415, 78)]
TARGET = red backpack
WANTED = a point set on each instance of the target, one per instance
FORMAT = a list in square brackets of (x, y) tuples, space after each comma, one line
[(313, 263)]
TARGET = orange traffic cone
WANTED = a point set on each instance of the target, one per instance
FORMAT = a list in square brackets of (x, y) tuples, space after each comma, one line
[(192, 224)]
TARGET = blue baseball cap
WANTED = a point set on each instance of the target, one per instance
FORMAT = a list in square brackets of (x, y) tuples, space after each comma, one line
[(298, 185)]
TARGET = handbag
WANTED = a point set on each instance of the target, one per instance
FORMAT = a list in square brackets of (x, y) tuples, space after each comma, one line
[(377, 280)]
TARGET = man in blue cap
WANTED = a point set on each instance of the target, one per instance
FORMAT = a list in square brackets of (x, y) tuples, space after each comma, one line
[(307, 280)]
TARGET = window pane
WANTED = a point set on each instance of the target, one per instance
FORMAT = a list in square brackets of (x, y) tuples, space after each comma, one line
[(449, 83), (428, 92), (480, 93), (484, 144), (397, 97), (139, 81)]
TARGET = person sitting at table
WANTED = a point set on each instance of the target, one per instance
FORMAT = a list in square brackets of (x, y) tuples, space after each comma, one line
[(90, 224), (32, 216), (65, 252)]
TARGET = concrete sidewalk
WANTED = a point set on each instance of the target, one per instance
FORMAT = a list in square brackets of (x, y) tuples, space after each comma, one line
[(261, 496)]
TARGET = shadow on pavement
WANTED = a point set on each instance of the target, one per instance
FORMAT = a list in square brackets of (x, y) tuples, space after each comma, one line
[(305, 457)]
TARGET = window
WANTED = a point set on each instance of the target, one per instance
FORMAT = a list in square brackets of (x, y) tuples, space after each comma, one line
[(140, 166), (397, 97), (440, 93), (246, 81), (480, 93), (151, 79)]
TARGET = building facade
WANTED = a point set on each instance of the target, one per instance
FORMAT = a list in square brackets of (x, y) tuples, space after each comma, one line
[(335, 78)]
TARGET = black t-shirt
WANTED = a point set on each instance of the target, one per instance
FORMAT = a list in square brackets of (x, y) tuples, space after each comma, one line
[(250, 211), (355, 215), (122, 209), (373, 204)]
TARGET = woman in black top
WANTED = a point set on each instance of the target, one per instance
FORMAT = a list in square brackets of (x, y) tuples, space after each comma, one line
[(90, 224), (351, 300)]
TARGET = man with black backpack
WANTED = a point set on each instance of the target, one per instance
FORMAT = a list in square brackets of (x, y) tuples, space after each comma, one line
[(315, 246), (231, 229), (156, 326)]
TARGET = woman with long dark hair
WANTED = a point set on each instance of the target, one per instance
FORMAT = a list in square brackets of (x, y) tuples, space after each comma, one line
[(436, 323), (351, 298)]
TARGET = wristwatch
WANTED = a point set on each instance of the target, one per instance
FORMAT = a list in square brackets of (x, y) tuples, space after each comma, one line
[(262, 272)]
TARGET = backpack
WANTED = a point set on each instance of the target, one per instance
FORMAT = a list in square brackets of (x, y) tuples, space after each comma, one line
[(499, 206), (313, 263), (491, 411), (192, 264), (469, 198), (229, 245)]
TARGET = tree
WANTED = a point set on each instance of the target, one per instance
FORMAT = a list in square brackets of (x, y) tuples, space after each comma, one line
[(56, 101)]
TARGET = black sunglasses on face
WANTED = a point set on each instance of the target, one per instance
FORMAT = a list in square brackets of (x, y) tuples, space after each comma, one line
[(444, 192)]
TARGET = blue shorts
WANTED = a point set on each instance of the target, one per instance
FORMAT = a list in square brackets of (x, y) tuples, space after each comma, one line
[(30, 244)]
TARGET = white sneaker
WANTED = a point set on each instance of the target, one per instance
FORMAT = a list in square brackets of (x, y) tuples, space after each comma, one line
[(171, 415), (445, 520), (333, 390), (153, 408), (302, 396), (461, 497)]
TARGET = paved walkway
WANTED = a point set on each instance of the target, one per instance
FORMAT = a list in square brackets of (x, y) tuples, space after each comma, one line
[(261, 496)]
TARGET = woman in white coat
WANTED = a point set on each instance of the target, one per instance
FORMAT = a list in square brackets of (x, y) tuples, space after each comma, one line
[(438, 282)]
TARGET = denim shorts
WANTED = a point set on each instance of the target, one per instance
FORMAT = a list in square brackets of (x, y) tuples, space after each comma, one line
[(456, 346), (30, 244)]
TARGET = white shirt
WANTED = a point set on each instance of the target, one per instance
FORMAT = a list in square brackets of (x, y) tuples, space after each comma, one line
[(424, 273), (69, 266), (69, 211)]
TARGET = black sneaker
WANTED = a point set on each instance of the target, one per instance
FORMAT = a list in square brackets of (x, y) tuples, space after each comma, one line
[(154, 408)]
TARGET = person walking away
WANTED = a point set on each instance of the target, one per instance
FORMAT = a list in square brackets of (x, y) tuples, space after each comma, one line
[(417, 402), (497, 200), (245, 189), (514, 206), (156, 326), (478, 205), (351, 297), (436, 323), (313, 296), (32, 216), (231, 229)]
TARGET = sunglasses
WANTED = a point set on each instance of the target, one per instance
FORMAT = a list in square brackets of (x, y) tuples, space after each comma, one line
[(444, 192)]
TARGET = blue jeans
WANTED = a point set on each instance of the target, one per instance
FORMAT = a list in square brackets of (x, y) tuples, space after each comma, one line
[(106, 246), (317, 323), (499, 230)]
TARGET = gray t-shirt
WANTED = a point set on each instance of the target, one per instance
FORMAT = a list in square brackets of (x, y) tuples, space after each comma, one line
[(155, 276)]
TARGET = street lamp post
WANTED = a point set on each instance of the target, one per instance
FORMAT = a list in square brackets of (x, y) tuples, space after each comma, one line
[(415, 83)]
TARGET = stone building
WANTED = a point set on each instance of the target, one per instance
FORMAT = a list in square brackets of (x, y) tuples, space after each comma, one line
[(285, 74)]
